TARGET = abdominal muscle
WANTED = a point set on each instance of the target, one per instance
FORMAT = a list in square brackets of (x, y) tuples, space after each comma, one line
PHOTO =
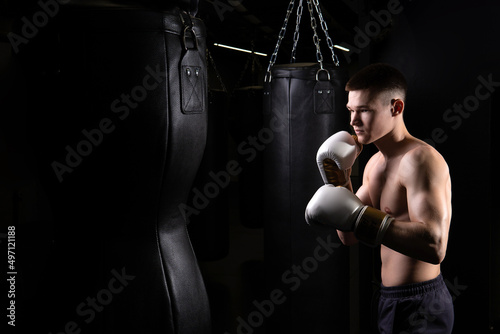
[(399, 269)]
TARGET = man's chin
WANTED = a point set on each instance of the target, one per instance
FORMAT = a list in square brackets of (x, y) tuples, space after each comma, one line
[(362, 138)]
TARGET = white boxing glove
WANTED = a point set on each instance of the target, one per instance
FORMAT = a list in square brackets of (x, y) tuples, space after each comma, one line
[(338, 207), (336, 156)]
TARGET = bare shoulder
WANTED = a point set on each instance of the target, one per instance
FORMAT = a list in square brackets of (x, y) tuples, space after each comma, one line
[(423, 162)]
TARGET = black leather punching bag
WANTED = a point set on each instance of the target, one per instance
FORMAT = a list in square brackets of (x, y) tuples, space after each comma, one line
[(303, 106), (117, 117), (208, 202)]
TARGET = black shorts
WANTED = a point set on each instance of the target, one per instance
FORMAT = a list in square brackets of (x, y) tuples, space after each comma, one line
[(425, 307)]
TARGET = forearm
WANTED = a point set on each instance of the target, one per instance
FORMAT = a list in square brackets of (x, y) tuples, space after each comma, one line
[(347, 238), (421, 241), (417, 240)]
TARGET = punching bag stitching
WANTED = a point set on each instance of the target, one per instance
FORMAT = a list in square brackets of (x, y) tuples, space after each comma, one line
[(290, 172), (290, 185)]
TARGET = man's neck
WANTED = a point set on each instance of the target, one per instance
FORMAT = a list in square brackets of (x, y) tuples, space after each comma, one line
[(390, 144)]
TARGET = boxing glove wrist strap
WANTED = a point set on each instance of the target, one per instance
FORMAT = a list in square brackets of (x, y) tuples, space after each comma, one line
[(371, 226)]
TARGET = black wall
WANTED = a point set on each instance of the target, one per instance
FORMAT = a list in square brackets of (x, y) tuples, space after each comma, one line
[(446, 49)]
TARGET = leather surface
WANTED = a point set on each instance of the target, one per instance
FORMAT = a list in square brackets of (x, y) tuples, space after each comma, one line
[(116, 210), (317, 292), (208, 202)]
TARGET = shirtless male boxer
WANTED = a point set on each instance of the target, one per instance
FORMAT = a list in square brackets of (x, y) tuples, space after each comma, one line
[(403, 204)]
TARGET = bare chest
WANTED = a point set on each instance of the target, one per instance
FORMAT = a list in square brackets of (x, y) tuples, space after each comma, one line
[(387, 193)]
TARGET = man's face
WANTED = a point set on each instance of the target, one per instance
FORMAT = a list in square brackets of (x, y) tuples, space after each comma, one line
[(371, 115)]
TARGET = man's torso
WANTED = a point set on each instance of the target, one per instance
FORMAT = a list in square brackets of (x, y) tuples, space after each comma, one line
[(388, 194)]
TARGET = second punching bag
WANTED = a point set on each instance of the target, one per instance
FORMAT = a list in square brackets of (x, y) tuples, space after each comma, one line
[(304, 104), (116, 113)]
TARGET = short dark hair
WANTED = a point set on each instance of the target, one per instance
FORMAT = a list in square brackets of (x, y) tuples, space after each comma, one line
[(378, 78)]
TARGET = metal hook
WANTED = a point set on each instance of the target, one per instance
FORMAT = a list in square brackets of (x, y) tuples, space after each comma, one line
[(322, 69), (186, 28)]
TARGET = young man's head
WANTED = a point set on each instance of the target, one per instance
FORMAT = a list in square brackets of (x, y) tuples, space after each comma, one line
[(376, 101), (379, 79)]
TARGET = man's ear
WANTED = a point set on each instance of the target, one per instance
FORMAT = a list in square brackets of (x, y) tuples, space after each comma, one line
[(397, 106)]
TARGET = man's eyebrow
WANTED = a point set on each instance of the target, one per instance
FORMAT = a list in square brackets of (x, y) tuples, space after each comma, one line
[(358, 107)]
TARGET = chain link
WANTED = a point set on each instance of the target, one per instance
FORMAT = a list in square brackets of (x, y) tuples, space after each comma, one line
[(278, 43), (329, 41), (216, 71), (316, 40), (296, 35), (252, 61)]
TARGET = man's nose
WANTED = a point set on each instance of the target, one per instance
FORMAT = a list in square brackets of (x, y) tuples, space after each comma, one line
[(354, 118)]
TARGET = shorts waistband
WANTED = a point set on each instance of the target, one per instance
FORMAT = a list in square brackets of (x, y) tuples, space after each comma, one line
[(413, 289)]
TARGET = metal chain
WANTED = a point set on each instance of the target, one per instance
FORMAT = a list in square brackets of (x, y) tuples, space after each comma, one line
[(325, 30), (316, 40), (251, 60), (216, 71), (280, 38), (242, 74), (296, 34)]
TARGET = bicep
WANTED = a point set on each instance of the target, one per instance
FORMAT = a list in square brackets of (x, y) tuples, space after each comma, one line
[(429, 194), (428, 205), (428, 190)]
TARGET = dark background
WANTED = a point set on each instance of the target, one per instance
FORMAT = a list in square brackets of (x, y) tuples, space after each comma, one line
[(442, 47)]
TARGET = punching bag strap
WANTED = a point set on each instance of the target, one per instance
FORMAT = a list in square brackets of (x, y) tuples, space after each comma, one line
[(189, 40), (324, 93), (192, 70)]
